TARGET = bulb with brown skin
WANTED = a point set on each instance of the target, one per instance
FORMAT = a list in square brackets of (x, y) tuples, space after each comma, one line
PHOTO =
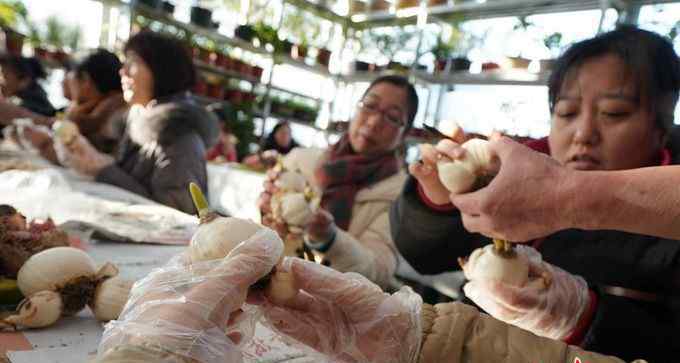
[(496, 261)]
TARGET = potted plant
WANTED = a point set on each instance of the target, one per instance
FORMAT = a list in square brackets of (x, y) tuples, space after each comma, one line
[(153, 4), (201, 17), (73, 37), (323, 56), (380, 5), (12, 13), (35, 39), (168, 7), (524, 26), (55, 35), (405, 4), (268, 35), (442, 52), (245, 32), (554, 43)]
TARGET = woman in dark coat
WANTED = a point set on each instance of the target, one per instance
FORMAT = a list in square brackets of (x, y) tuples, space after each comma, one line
[(20, 77), (612, 100), (167, 133)]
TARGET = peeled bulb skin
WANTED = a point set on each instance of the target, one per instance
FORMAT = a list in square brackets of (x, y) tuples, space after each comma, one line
[(215, 239), (38, 310), (110, 298), (65, 130), (459, 176), (51, 269), (290, 181), (484, 264), (295, 209)]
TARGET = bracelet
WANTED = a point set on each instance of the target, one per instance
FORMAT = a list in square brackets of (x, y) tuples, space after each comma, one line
[(320, 246)]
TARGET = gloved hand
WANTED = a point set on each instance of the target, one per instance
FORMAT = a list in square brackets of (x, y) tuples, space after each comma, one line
[(81, 156), (186, 308), (33, 137), (346, 317), (552, 311), (321, 226)]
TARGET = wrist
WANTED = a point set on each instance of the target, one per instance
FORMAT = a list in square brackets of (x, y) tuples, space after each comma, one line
[(321, 244)]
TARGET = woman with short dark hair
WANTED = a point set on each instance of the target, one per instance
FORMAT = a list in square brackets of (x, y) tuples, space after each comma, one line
[(20, 79), (358, 178), (612, 99), (98, 107), (167, 132)]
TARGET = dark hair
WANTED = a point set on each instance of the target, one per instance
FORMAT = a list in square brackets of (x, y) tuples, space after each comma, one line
[(7, 210), (271, 144), (169, 60), (648, 58), (103, 68), (411, 95), (24, 67)]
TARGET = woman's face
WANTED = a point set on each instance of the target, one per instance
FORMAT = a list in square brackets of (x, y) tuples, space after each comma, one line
[(85, 89), (10, 82), (137, 80), (282, 136), (379, 123), (599, 121)]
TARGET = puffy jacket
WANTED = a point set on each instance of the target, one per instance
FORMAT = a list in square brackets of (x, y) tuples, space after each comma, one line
[(162, 151)]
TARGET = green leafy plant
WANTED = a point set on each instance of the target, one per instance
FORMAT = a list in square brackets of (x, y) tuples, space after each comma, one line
[(389, 43), (55, 31), (553, 42), (12, 13), (35, 36), (302, 26), (74, 37)]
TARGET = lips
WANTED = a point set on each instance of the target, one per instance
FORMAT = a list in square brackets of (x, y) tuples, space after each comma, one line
[(583, 162)]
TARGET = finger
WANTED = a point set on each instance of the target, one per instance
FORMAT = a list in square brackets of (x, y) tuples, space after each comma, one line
[(297, 325), (503, 146), (428, 154), (330, 285), (469, 204), (422, 171), (488, 302), (450, 149), (519, 298)]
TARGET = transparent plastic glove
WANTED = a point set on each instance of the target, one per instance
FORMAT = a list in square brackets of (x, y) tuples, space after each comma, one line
[(32, 137), (347, 318), (551, 311), (186, 308), (81, 156)]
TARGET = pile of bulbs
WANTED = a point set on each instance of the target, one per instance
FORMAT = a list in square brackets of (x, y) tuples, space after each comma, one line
[(61, 281)]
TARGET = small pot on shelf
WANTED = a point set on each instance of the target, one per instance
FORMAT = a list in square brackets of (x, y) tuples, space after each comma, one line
[(323, 57)]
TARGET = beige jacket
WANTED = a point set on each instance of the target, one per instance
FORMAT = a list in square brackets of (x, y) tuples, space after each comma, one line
[(459, 333), (367, 248)]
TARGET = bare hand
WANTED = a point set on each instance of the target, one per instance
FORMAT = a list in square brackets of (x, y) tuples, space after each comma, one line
[(522, 202), (82, 156)]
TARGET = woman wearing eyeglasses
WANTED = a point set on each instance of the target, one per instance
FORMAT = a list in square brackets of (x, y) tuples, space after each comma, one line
[(358, 178)]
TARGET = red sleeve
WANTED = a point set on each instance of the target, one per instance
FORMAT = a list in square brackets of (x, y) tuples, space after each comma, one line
[(576, 336), (214, 152), (448, 207)]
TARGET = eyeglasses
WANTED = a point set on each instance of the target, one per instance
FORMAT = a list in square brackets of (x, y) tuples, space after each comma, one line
[(372, 108)]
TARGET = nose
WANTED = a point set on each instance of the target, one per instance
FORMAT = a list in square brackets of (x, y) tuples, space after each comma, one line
[(587, 132), (374, 120)]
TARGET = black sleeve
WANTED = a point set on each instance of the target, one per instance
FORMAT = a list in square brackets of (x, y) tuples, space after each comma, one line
[(631, 329), (431, 241)]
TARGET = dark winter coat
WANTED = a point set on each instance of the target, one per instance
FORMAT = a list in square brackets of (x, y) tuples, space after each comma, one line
[(162, 151)]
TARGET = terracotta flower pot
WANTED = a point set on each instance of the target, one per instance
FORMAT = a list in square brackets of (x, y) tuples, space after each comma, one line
[(257, 72), (323, 57), (298, 52), (14, 42)]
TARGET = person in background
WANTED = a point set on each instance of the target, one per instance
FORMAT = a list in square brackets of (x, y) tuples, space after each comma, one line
[(98, 107), (358, 178), (279, 142), (225, 149), (166, 134), (20, 81), (612, 100)]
